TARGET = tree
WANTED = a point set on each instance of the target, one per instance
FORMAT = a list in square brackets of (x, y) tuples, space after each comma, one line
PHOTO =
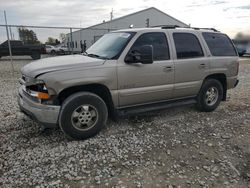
[(242, 36), (239, 35), (52, 41), (62, 37), (27, 36)]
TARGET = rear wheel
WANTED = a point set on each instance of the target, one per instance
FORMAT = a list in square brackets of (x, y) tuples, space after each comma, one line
[(210, 95), (53, 52), (62, 52), (83, 115), (35, 55)]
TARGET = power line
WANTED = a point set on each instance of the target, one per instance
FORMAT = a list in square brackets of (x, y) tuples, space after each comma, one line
[(54, 27)]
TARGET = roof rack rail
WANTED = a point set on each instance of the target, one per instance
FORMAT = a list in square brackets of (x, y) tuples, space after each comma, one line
[(213, 29), (167, 26), (177, 26)]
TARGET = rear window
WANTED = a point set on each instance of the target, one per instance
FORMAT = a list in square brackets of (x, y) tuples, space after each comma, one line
[(219, 44)]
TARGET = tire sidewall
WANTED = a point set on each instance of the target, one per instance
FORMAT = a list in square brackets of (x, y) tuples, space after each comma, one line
[(202, 95), (53, 52), (36, 55), (73, 102)]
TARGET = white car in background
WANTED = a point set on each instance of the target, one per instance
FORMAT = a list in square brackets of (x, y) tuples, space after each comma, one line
[(60, 49), (49, 48), (56, 50)]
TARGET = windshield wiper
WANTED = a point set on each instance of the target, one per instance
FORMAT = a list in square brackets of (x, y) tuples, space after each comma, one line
[(85, 53), (95, 55)]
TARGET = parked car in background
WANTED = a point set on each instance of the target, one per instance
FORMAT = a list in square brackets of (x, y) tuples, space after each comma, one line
[(62, 49), (59, 49), (248, 49), (49, 48), (127, 72), (242, 46), (18, 48)]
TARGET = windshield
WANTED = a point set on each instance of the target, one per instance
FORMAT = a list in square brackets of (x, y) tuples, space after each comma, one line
[(110, 45)]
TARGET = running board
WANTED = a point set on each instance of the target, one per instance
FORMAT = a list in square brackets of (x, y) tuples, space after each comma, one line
[(155, 106)]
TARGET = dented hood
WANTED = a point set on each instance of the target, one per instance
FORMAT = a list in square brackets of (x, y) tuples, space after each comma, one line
[(53, 64)]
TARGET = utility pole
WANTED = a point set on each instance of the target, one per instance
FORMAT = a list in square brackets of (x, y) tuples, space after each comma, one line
[(111, 15), (11, 36), (71, 41), (111, 18), (7, 31)]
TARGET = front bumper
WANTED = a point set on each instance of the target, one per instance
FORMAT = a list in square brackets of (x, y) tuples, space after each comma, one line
[(44, 114)]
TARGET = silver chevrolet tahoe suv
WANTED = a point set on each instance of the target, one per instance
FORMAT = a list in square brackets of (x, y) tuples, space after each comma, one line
[(126, 72)]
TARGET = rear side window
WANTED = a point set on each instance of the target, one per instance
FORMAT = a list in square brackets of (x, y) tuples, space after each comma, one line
[(187, 45), (219, 44), (159, 43)]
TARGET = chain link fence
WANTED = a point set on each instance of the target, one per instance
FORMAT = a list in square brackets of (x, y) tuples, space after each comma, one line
[(29, 42)]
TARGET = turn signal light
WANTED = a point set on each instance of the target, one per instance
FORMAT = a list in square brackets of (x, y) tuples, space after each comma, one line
[(42, 95)]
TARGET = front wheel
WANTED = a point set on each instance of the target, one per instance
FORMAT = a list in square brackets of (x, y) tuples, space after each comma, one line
[(83, 115), (35, 55), (210, 95)]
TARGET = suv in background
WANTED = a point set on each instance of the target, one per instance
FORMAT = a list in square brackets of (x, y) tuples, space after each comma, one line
[(18, 48), (127, 72)]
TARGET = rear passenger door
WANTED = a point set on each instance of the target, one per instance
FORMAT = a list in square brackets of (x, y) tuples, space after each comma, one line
[(191, 63)]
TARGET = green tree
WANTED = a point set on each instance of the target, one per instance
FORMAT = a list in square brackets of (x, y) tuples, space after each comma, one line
[(28, 36), (52, 41)]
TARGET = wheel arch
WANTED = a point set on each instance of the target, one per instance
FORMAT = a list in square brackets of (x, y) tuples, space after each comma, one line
[(222, 79), (98, 89)]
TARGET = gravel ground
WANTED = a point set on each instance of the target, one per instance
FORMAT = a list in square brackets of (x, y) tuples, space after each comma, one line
[(172, 148)]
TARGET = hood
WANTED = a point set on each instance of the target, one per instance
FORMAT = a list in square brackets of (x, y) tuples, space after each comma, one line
[(52, 64)]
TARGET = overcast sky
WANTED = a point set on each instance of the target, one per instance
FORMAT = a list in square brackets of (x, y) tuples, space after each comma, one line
[(229, 16)]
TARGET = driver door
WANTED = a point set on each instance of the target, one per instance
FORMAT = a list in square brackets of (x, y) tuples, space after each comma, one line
[(140, 83)]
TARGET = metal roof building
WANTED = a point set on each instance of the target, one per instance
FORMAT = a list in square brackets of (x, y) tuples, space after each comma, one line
[(144, 18)]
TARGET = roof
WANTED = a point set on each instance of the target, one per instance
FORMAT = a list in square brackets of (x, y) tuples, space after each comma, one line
[(138, 12)]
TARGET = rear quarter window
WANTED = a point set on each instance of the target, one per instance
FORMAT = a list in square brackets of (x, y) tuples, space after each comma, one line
[(219, 44)]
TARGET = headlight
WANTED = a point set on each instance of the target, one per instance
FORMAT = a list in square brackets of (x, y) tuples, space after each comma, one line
[(35, 87), (39, 90)]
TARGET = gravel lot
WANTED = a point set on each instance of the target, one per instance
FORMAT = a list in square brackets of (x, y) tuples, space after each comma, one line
[(172, 148)]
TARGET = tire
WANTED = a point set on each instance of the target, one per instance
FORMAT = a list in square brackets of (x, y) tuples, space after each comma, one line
[(35, 55), (53, 52), (62, 52), (210, 88), (79, 110)]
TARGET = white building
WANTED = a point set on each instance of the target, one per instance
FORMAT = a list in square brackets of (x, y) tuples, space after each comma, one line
[(144, 18)]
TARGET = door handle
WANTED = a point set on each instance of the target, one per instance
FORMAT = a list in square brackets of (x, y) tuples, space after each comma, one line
[(202, 66), (168, 69)]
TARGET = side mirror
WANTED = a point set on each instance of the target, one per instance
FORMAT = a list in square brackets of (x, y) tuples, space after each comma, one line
[(144, 55)]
